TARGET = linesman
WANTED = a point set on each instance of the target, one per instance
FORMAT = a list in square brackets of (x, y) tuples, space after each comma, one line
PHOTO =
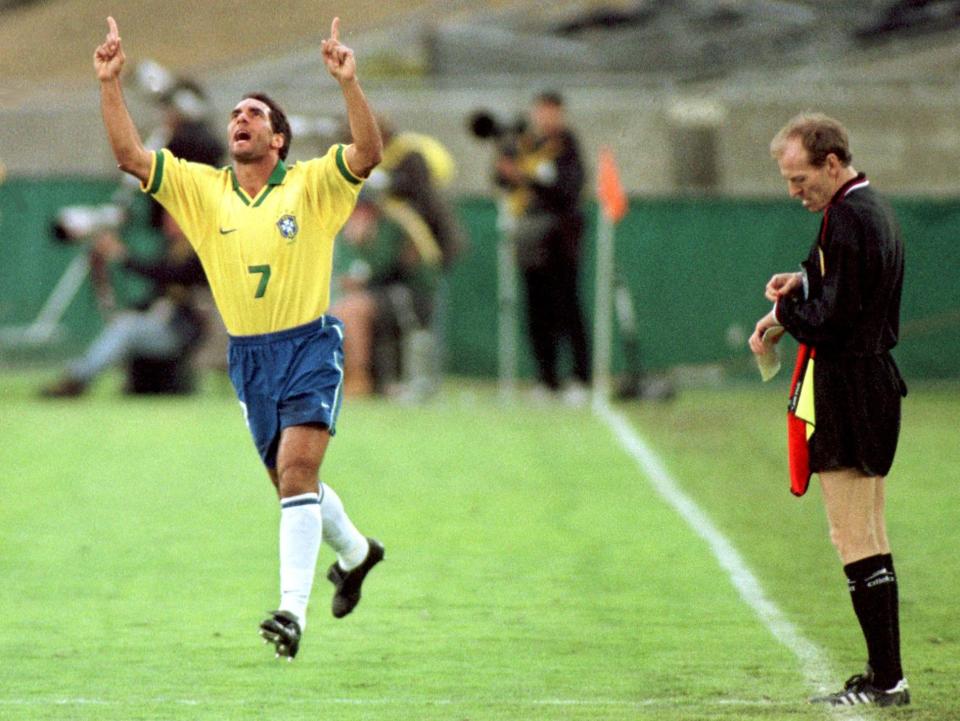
[(844, 309)]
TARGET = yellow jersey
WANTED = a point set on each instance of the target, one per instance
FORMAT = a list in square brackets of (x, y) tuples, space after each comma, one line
[(269, 258)]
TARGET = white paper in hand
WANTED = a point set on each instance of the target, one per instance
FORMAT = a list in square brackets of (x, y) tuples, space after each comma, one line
[(769, 361)]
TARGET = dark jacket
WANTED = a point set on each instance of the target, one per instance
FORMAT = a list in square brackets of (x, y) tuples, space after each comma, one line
[(175, 280), (853, 308), (550, 224), (561, 197), (411, 181), (850, 316)]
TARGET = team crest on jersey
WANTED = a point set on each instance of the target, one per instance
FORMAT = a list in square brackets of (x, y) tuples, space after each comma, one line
[(288, 227)]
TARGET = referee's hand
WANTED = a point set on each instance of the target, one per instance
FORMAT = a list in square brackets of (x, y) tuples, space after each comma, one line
[(781, 285), (763, 325)]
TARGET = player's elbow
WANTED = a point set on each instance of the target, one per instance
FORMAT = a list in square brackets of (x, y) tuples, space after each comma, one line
[(127, 165), (135, 164), (366, 158), (373, 154)]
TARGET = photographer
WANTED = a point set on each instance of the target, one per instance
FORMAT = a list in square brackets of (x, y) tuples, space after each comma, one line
[(544, 175), (171, 324), (185, 125), (416, 169), (413, 178), (166, 329), (390, 264)]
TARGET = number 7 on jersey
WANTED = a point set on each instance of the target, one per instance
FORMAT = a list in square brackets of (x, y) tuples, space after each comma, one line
[(264, 271)]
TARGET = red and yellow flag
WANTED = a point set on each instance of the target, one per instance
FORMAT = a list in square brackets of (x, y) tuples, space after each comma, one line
[(801, 420)]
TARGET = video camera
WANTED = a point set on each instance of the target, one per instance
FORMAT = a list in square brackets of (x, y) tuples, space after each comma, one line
[(77, 223), (159, 85), (486, 125), (324, 129)]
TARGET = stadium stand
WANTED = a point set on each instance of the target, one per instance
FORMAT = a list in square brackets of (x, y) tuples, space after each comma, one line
[(650, 76)]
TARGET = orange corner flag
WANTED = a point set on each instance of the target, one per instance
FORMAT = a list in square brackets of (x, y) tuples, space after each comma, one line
[(610, 192)]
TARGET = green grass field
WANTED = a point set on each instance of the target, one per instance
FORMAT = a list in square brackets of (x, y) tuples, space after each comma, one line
[(531, 572)]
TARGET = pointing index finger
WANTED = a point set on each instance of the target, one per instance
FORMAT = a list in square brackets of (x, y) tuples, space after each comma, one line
[(335, 30), (112, 27)]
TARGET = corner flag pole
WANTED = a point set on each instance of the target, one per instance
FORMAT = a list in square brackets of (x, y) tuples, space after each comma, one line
[(602, 316), (611, 208)]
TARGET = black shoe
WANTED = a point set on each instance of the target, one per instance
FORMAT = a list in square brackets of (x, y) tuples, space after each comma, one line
[(348, 583), (282, 630), (859, 690)]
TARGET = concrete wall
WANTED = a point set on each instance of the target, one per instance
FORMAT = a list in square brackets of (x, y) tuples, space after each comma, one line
[(905, 136)]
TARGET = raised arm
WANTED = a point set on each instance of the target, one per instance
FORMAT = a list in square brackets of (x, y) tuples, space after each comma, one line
[(367, 148), (125, 141)]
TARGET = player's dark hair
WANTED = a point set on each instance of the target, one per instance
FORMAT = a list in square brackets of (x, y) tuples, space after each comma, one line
[(278, 120), (819, 134)]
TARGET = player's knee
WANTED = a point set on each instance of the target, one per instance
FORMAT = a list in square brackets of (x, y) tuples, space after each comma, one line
[(298, 475)]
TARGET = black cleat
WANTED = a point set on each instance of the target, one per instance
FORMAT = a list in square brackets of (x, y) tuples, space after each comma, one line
[(348, 583), (859, 691), (282, 630)]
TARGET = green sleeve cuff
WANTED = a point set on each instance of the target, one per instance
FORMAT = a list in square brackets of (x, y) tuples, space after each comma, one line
[(344, 170), (156, 174)]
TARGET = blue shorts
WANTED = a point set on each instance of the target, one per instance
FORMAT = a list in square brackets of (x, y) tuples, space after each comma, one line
[(288, 378)]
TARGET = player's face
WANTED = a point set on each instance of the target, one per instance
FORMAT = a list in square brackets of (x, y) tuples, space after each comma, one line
[(814, 186), (249, 134), (547, 119)]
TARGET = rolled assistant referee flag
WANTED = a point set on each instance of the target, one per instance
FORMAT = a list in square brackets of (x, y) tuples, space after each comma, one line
[(801, 420)]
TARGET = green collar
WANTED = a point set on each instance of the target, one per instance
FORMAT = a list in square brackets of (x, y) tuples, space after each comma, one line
[(278, 174), (276, 178)]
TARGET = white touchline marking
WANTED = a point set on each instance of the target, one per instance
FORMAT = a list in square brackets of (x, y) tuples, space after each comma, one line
[(813, 661), (666, 702)]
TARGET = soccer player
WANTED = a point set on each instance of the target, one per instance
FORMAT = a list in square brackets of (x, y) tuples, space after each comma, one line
[(264, 233), (844, 309)]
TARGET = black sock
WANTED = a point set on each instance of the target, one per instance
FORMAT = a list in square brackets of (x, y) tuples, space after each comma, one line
[(895, 602), (874, 595)]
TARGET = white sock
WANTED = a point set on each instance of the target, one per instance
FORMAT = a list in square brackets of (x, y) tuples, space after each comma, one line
[(301, 529), (349, 544)]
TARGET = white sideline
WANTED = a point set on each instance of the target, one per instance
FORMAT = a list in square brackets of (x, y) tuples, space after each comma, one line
[(813, 662), (660, 702)]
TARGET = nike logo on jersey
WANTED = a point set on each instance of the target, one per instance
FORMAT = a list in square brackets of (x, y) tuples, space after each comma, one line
[(226, 231)]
